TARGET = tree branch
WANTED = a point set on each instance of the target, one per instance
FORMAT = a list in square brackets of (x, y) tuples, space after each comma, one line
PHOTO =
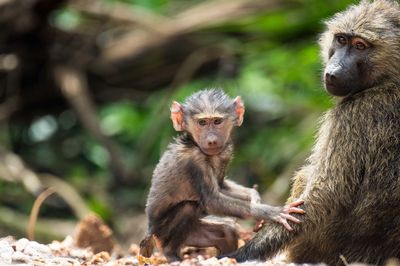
[(74, 88), (196, 18), (123, 13), (13, 169)]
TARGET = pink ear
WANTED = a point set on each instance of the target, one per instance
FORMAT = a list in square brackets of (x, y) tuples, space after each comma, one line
[(239, 110), (177, 116)]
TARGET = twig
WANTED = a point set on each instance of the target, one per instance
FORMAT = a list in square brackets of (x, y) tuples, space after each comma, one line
[(4, 2), (123, 13), (67, 193), (73, 85), (13, 169), (216, 12), (30, 230), (46, 229)]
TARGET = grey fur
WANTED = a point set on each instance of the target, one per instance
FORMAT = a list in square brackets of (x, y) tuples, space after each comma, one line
[(189, 182), (208, 101)]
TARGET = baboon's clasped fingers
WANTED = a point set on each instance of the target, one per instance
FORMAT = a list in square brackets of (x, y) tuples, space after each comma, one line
[(296, 210), (285, 216), (284, 222), (292, 207), (296, 203), (290, 218), (283, 219)]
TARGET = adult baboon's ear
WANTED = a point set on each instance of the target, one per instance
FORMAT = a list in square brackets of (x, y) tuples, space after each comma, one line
[(239, 110), (177, 116)]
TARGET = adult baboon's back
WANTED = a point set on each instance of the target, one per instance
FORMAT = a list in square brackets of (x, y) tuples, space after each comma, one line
[(351, 183)]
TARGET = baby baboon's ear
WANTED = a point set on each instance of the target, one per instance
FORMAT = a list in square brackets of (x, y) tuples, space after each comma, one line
[(177, 116), (239, 110)]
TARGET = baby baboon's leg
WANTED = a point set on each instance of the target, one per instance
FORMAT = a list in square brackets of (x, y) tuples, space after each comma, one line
[(176, 226), (210, 233)]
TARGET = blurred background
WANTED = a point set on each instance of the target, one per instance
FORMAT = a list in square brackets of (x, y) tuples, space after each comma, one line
[(85, 89)]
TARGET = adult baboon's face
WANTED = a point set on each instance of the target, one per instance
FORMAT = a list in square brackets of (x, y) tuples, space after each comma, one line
[(346, 71)]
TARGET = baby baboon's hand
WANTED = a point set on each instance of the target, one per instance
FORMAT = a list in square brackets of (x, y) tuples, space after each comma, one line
[(278, 214), (259, 224), (284, 216), (255, 196)]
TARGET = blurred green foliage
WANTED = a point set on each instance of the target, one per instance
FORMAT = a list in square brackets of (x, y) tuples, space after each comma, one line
[(278, 76)]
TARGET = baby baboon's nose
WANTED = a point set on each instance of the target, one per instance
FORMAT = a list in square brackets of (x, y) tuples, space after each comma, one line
[(212, 141)]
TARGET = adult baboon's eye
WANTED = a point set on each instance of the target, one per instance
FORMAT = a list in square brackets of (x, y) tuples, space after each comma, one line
[(341, 39), (217, 121), (360, 46), (202, 122)]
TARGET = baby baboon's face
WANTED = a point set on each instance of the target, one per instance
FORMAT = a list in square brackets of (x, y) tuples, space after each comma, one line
[(211, 133), (209, 117)]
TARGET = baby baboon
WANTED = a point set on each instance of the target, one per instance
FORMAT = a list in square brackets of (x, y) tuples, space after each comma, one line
[(351, 183), (189, 181)]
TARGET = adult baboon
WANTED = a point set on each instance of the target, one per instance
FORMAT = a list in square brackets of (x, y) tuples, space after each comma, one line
[(351, 183)]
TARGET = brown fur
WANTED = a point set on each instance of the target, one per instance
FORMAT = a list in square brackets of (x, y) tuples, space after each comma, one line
[(189, 181), (351, 182)]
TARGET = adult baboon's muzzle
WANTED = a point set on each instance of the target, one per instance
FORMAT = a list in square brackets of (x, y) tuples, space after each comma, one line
[(340, 75)]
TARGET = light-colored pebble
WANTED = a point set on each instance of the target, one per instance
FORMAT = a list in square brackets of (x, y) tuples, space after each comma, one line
[(18, 256), (36, 248), (21, 244), (80, 253), (209, 262), (65, 262), (6, 252)]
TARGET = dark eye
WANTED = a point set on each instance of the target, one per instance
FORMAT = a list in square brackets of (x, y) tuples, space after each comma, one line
[(360, 46), (218, 121), (202, 122), (341, 39)]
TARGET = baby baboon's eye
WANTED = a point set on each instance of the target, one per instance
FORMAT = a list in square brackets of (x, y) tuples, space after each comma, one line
[(218, 121), (202, 122)]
